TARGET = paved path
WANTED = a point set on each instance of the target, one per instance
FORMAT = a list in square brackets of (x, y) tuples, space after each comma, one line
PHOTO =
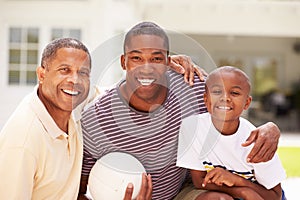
[(290, 139), (291, 185), (291, 188)]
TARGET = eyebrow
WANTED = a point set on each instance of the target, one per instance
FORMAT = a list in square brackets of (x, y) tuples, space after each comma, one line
[(236, 86), (64, 65), (134, 51), (158, 52), (70, 66)]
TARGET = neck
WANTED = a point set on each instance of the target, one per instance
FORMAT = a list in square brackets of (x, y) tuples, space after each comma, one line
[(62, 121), (226, 127), (60, 117), (144, 105)]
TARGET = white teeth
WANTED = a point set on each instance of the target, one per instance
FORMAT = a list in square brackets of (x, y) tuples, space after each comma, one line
[(146, 82), (71, 92), (224, 107)]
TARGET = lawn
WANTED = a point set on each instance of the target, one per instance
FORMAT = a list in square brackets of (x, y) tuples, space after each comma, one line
[(290, 158)]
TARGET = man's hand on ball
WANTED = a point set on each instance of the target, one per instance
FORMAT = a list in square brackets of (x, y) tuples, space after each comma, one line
[(146, 189)]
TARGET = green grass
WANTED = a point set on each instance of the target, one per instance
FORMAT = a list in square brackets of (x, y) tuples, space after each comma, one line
[(290, 158)]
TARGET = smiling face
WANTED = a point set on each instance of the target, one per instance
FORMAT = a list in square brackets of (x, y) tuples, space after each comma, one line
[(145, 61), (227, 95), (64, 81)]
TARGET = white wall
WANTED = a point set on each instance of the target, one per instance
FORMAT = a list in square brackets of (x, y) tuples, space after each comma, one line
[(223, 17), (101, 20), (98, 20)]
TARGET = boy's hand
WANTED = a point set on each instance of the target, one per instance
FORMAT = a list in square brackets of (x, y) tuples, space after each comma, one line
[(219, 176)]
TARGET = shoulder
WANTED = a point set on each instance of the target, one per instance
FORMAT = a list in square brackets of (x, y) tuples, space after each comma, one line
[(102, 100), (23, 129), (244, 131), (189, 97), (102, 112), (197, 118), (246, 125), (178, 79), (196, 122)]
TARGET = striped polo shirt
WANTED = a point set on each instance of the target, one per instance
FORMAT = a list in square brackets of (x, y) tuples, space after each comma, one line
[(111, 125)]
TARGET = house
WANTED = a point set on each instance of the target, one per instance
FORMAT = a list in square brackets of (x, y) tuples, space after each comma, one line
[(260, 36)]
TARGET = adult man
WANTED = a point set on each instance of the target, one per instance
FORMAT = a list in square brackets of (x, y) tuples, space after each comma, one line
[(142, 114), (41, 144), (40, 148)]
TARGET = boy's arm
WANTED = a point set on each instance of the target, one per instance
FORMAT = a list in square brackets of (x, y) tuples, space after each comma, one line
[(236, 192), (222, 180), (221, 176)]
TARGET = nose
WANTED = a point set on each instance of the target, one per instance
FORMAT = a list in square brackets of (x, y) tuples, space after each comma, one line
[(73, 78), (225, 97), (147, 68)]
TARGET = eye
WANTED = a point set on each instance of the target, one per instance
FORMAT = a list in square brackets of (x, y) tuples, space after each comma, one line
[(135, 58), (157, 59), (84, 73), (64, 70), (216, 92), (235, 93)]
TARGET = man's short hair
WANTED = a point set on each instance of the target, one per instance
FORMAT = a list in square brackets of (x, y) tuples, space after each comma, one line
[(147, 28), (50, 50)]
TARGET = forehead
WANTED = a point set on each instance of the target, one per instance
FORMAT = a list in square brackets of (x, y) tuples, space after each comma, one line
[(145, 42), (227, 78), (72, 52), (72, 55)]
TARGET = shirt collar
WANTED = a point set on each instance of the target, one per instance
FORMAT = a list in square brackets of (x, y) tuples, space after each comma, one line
[(44, 116)]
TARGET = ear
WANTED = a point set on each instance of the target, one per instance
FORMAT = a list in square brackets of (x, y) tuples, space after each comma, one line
[(122, 60), (248, 102), (205, 96), (40, 71), (169, 61)]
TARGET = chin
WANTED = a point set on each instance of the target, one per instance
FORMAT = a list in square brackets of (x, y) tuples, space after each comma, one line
[(75, 106)]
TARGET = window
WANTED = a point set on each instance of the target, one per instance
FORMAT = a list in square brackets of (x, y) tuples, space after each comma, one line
[(24, 52), (23, 55), (59, 32)]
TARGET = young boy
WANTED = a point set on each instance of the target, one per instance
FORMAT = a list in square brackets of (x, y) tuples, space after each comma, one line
[(210, 144)]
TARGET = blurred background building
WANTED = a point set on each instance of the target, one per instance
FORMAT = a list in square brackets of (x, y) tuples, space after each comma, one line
[(262, 37)]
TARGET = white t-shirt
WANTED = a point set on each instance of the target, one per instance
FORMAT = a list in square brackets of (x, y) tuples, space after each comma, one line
[(202, 147)]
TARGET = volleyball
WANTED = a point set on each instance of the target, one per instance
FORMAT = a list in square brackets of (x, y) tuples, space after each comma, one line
[(111, 174)]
